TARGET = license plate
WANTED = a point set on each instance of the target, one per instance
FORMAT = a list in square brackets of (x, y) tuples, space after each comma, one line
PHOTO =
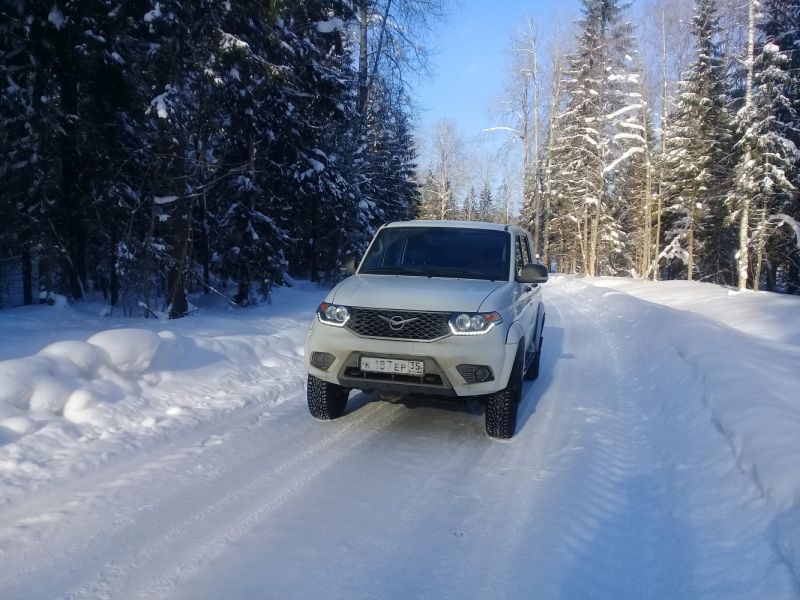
[(390, 365)]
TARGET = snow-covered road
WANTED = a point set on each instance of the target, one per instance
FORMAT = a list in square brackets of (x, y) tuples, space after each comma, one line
[(629, 477)]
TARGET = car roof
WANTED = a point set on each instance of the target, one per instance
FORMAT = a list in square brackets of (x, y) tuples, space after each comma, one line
[(460, 224)]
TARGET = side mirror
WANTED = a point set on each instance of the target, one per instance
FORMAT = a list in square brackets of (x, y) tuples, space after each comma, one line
[(349, 264), (532, 274)]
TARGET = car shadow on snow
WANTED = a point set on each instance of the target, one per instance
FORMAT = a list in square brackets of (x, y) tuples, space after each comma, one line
[(532, 391)]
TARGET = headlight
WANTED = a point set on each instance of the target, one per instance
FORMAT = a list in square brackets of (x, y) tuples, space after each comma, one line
[(332, 314), (473, 324)]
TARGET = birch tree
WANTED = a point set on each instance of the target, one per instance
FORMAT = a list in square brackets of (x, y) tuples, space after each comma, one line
[(445, 174)]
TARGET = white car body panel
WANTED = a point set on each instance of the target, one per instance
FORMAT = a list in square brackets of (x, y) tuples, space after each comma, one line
[(519, 304), (435, 294)]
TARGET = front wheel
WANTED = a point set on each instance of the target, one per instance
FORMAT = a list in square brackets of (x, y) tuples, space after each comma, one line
[(326, 401), (501, 407)]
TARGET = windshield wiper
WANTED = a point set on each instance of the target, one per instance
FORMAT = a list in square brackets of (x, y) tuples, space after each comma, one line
[(397, 271), (456, 273)]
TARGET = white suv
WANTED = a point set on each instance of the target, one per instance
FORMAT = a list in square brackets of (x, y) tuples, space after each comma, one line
[(441, 308)]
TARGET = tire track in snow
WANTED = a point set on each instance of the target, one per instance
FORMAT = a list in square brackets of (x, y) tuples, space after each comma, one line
[(628, 527), (69, 532), (153, 571)]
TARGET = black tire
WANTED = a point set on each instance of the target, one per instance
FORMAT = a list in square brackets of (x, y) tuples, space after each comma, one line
[(326, 401), (501, 407), (533, 369)]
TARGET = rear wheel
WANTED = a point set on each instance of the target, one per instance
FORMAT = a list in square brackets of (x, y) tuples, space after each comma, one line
[(326, 401), (501, 407)]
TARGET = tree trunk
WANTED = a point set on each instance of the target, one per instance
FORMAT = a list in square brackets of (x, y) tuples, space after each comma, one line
[(147, 250), (75, 236), (584, 240), (113, 277), (537, 198), (176, 277), (690, 245), (744, 263), (27, 276), (551, 136), (770, 279), (593, 239), (362, 56), (664, 112), (744, 223), (648, 190), (313, 246), (45, 282), (760, 249), (205, 247)]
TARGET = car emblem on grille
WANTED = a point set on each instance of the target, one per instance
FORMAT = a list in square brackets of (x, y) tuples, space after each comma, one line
[(397, 322)]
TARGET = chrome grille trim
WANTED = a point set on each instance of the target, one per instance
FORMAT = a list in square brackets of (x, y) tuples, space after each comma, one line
[(421, 326)]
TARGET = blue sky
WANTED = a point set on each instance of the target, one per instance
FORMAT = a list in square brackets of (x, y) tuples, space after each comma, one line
[(468, 69)]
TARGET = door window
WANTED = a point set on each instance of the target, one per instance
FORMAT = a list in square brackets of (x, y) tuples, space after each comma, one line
[(526, 251), (520, 255)]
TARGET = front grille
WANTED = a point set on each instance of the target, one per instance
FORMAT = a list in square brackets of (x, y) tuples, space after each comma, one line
[(424, 326)]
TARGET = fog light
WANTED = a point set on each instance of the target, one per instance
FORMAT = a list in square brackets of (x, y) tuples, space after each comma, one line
[(475, 373), (322, 360)]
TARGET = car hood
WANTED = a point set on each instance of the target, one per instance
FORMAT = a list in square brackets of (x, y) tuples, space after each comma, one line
[(435, 294)]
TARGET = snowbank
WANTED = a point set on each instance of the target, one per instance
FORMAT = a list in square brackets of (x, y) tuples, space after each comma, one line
[(774, 317), (750, 384), (77, 404)]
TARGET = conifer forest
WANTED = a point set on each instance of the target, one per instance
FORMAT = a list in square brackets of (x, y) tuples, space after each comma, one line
[(152, 152), (653, 140), (156, 150)]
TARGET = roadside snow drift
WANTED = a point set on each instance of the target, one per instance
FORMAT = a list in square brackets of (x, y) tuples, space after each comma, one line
[(123, 384), (750, 384)]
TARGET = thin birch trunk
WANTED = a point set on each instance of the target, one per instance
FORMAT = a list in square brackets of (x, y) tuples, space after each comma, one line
[(537, 198), (648, 189), (744, 222), (656, 273), (551, 136), (690, 245)]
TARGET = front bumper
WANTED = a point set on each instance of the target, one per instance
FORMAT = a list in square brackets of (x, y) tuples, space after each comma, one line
[(441, 358)]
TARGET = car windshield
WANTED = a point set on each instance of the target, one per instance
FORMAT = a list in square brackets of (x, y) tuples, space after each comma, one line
[(455, 252)]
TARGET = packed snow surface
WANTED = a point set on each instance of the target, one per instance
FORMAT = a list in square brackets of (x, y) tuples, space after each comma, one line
[(655, 457)]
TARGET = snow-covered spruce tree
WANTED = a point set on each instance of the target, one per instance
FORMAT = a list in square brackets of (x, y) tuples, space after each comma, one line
[(768, 160), (697, 166), (486, 203), (633, 206), (387, 189), (189, 38), (766, 175), (19, 143), (298, 126), (597, 129), (467, 212), (215, 140), (70, 96)]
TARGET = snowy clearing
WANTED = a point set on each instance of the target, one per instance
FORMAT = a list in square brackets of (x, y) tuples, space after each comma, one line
[(655, 457)]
